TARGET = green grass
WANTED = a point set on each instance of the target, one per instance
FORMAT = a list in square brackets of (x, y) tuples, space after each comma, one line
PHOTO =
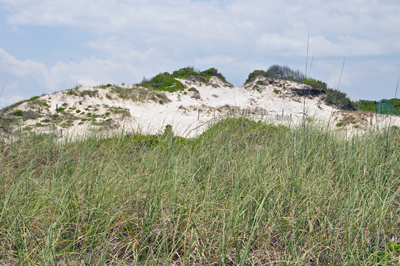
[(242, 193)]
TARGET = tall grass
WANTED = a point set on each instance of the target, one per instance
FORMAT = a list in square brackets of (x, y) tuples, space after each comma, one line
[(241, 193)]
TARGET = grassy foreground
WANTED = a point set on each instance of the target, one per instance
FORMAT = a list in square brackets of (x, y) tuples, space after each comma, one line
[(242, 193)]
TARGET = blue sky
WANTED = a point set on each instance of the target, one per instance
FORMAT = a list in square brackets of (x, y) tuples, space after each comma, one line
[(53, 45)]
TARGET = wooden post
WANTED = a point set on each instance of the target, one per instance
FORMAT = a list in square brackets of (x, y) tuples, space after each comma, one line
[(282, 113), (198, 114), (57, 108)]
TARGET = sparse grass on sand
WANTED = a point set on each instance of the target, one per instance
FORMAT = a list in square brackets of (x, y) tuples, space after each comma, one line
[(242, 193)]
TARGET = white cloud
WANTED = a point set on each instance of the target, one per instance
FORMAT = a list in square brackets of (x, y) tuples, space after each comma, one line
[(21, 68), (144, 37)]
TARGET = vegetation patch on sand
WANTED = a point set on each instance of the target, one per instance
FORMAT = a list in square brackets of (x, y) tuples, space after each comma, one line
[(167, 82)]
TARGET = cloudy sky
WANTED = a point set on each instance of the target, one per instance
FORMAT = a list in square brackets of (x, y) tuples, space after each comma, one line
[(53, 45)]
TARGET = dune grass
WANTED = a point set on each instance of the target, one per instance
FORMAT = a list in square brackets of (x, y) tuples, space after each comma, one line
[(242, 193)]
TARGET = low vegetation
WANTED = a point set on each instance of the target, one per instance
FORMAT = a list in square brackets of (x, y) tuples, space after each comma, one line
[(366, 105), (241, 193), (332, 96), (167, 82)]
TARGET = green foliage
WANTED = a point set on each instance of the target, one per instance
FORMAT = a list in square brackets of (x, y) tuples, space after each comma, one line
[(140, 94), (253, 75), (214, 72), (90, 93), (167, 82), (193, 89), (338, 99), (17, 113), (164, 82), (339, 124), (315, 83), (365, 105), (190, 73), (284, 72), (276, 91), (33, 98)]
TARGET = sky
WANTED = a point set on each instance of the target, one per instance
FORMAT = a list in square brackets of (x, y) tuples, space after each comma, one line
[(52, 45)]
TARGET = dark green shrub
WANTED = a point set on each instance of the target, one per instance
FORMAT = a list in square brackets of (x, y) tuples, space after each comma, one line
[(253, 75), (193, 89), (18, 113), (365, 105), (339, 99), (315, 83)]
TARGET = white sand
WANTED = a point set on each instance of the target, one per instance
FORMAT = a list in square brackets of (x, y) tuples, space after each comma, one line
[(190, 116)]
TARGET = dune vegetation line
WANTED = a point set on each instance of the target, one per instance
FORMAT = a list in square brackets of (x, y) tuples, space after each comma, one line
[(241, 193)]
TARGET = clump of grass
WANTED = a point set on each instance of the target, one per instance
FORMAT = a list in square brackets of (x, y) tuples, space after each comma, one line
[(276, 91), (90, 93), (140, 94), (194, 90), (240, 193)]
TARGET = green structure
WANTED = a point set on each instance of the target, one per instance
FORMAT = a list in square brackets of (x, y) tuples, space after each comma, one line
[(384, 107)]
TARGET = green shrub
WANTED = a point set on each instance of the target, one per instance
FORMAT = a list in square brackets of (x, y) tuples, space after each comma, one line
[(365, 105), (193, 89), (315, 83), (338, 99), (164, 82), (253, 75), (106, 86), (78, 111), (276, 91), (18, 113)]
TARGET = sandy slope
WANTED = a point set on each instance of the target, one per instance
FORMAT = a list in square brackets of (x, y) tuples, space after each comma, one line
[(188, 112)]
